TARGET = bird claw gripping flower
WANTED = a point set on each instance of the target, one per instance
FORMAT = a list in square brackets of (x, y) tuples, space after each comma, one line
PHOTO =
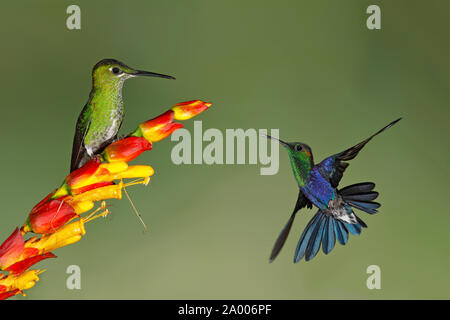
[(58, 220)]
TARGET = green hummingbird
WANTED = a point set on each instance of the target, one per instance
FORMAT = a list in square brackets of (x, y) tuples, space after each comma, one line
[(102, 116)]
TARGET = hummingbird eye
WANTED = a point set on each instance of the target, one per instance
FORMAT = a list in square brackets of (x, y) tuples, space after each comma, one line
[(116, 70), (298, 147)]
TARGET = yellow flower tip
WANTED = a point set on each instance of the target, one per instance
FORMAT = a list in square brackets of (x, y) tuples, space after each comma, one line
[(26, 280), (115, 167), (99, 194), (68, 234), (138, 171), (82, 206), (187, 110)]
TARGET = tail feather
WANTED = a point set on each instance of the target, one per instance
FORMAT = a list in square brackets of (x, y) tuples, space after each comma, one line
[(367, 196), (316, 238), (354, 229), (306, 236), (329, 238), (357, 188), (341, 232), (366, 206), (324, 229), (282, 238), (361, 222), (361, 196)]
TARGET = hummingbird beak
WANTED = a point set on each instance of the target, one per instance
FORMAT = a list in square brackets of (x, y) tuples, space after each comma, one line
[(151, 74), (278, 140)]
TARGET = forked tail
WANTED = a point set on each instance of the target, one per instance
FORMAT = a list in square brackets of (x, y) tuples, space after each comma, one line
[(323, 229)]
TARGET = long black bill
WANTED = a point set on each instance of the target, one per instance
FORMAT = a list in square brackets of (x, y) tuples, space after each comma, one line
[(278, 140), (152, 74)]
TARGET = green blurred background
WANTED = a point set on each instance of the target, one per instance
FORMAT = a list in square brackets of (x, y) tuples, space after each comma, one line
[(310, 68)]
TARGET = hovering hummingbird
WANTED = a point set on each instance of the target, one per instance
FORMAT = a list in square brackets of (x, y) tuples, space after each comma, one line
[(318, 186), (101, 117)]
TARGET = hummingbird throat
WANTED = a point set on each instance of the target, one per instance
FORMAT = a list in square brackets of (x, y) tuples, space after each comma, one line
[(301, 166)]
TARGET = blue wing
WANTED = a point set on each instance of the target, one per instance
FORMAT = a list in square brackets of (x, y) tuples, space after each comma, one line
[(333, 167)]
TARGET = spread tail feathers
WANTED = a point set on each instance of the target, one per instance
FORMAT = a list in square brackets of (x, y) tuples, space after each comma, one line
[(324, 229), (361, 196)]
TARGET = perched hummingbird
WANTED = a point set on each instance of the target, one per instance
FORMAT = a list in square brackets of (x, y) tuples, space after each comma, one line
[(102, 116), (318, 186)]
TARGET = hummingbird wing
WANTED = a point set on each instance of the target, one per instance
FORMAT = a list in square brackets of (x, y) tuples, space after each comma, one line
[(333, 167), (78, 149), (302, 201)]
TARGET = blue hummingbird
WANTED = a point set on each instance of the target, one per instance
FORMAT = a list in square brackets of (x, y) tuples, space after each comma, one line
[(318, 185)]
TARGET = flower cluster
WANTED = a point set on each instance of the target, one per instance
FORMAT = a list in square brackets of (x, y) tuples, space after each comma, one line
[(59, 219)]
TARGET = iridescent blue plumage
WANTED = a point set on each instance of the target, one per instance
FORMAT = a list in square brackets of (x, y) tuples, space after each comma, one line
[(318, 184), (318, 190)]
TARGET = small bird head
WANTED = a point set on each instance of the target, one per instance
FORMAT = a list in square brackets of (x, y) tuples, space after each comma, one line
[(111, 71), (300, 155), (297, 149)]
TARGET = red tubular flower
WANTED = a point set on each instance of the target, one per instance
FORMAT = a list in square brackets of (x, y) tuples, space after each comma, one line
[(11, 249), (49, 217), (24, 265), (158, 128), (6, 295), (126, 149), (189, 109), (83, 173), (165, 118), (43, 201)]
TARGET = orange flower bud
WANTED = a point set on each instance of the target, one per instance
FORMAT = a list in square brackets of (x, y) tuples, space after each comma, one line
[(11, 249), (48, 217), (189, 109), (158, 128), (82, 176), (92, 175), (126, 149)]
